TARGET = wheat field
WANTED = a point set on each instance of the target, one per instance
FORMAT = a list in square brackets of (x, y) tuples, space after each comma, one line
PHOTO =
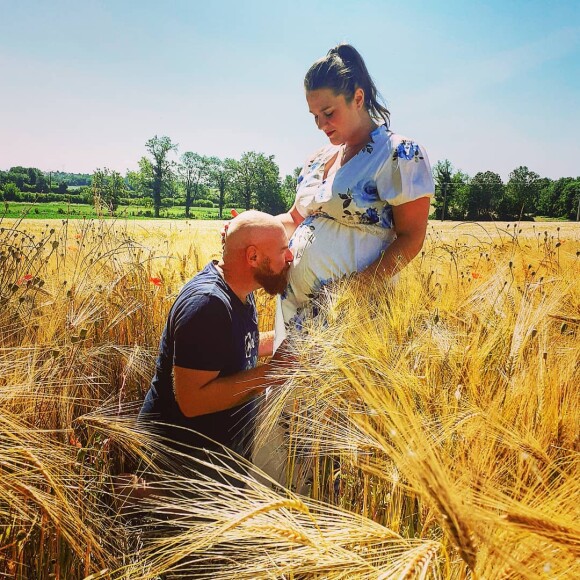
[(434, 423)]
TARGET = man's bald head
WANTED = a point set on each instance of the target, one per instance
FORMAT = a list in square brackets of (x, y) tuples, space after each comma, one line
[(251, 228), (256, 254)]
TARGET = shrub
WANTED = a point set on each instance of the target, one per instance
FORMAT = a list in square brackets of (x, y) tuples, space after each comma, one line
[(11, 192), (202, 203)]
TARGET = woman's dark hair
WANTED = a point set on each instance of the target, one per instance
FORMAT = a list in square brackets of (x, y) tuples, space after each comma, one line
[(343, 70)]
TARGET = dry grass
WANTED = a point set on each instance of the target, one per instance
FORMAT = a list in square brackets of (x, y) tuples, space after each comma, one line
[(438, 420)]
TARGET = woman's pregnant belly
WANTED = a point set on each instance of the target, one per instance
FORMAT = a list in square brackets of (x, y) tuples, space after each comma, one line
[(325, 250)]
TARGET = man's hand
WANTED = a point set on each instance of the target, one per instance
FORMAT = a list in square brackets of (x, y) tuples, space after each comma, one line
[(284, 357)]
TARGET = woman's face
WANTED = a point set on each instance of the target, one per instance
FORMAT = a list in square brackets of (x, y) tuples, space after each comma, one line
[(340, 120)]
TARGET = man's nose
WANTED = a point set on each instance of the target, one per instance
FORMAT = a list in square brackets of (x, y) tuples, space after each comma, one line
[(289, 255)]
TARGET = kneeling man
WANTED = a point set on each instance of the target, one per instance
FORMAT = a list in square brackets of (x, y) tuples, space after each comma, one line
[(206, 377)]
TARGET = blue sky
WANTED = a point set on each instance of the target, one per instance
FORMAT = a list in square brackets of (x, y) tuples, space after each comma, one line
[(84, 84)]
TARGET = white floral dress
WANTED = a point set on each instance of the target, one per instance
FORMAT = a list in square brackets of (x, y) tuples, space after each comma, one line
[(348, 216)]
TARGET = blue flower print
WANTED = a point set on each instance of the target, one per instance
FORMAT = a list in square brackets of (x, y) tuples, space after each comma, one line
[(300, 179), (365, 193), (371, 216), (287, 290), (297, 321), (408, 150), (320, 283), (387, 221), (303, 237)]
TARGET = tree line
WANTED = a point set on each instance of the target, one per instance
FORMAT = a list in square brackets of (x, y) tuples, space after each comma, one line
[(163, 179), (166, 178), (485, 196), (33, 180)]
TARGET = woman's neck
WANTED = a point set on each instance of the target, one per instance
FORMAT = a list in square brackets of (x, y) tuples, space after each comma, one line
[(353, 145), (361, 137)]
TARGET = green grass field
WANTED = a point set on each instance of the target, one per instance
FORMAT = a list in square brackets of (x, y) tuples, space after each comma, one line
[(57, 210)]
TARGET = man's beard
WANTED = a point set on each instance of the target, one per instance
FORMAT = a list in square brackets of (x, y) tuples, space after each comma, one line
[(271, 282)]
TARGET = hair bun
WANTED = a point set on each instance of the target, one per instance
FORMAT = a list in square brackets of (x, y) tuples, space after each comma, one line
[(345, 51)]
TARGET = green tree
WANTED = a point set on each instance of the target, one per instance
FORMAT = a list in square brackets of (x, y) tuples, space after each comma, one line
[(442, 175), (220, 173), (193, 171), (107, 188), (32, 174), (10, 192), (555, 200), (41, 183), (522, 192), (459, 201), (256, 183), (98, 190), (140, 182), (19, 176), (162, 168), (289, 185), (486, 191), (243, 180), (546, 200), (569, 200), (269, 196), (115, 191)]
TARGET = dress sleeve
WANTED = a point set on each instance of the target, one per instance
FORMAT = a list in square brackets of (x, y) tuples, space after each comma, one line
[(201, 335), (406, 174), (302, 210), (309, 181)]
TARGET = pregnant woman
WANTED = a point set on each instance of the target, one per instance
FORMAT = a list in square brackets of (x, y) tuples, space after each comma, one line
[(362, 201)]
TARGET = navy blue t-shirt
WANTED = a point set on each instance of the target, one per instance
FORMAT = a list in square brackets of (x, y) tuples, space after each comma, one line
[(208, 328)]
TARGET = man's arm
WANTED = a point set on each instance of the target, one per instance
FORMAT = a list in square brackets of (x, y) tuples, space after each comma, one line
[(266, 347), (202, 392)]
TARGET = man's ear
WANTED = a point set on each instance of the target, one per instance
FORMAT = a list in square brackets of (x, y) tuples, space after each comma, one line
[(252, 255)]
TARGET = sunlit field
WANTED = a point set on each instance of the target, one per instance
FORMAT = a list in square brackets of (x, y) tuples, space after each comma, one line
[(432, 425)]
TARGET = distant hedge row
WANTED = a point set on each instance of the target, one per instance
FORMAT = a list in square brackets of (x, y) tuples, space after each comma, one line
[(85, 197)]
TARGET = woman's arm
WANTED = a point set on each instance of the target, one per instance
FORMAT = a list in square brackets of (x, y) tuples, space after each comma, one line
[(410, 221), (291, 220)]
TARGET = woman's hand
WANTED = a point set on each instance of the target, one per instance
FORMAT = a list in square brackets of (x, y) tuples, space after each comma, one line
[(224, 232)]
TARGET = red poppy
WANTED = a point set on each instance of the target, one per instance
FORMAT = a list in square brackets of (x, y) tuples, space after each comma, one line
[(234, 213), (475, 275), (25, 278), (74, 441), (156, 281)]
